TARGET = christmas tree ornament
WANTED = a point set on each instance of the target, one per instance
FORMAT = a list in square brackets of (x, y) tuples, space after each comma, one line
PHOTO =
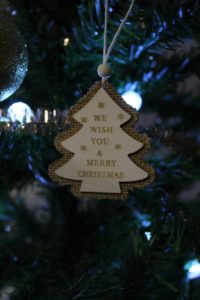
[(101, 151), (13, 58)]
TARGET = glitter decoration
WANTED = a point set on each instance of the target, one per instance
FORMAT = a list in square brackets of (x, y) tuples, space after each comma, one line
[(13, 58)]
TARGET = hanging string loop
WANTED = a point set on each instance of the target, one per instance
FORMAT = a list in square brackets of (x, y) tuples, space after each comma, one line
[(104, 70)]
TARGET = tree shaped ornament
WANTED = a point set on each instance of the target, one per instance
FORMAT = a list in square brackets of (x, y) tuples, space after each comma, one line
[(101, 151)]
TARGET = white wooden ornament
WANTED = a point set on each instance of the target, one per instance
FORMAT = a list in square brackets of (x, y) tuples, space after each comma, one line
[(100, 149)]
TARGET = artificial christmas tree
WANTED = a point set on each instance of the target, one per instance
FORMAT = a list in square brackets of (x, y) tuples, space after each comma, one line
[(146, 247)]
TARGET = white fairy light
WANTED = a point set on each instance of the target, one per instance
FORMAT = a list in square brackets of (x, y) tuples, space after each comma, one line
[(20, 112), (193, 269), (133, 99), (148, 235), (46, 116), (66, 42)]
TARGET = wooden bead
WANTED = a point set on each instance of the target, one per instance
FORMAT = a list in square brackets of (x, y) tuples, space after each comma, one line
[(104, 71)]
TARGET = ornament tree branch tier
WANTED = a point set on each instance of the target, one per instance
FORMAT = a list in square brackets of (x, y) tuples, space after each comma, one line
[(101, 151)]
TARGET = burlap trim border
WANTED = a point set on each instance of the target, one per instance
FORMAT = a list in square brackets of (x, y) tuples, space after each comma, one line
[(128, 128)]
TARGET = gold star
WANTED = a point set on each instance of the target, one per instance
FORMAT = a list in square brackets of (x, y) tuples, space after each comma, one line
[(83, 120), (121, 116), (101, 105), (83, 148), (118, 147)]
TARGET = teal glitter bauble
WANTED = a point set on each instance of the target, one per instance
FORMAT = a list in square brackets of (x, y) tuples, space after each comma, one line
[(13, 58)]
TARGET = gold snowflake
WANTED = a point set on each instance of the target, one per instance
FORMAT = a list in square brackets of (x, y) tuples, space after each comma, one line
[(121, 116), (118, 147), (83, 120), (83, 148), (101, 104)]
